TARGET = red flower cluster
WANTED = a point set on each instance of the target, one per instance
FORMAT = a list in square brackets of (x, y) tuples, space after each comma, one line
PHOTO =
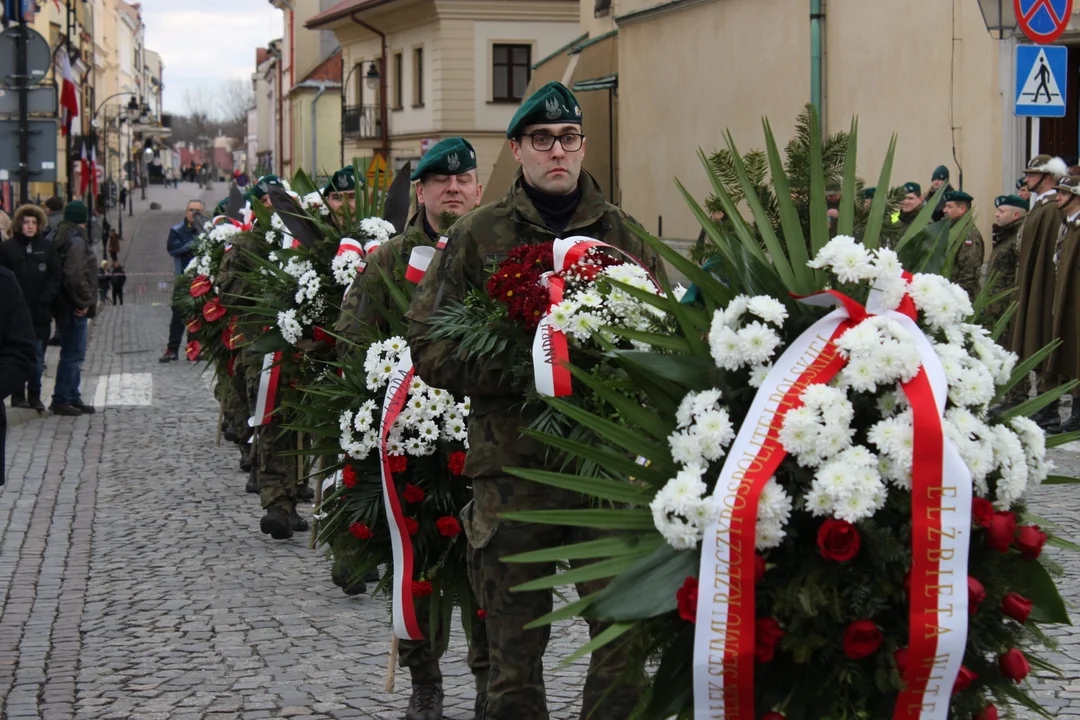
[(1002, 533), (194, 325), (320, 335), (348, 476), (982, 511), (686, 597), (412, 526), (448, 525), (862, 638), (200, 286), (193, 349), (229, 337), (516, 283), (421, 588), (481, 614), (767, 632), (214, 310), (412, 494), (838, 540), (398, 463), (456, 463), (360, 531)]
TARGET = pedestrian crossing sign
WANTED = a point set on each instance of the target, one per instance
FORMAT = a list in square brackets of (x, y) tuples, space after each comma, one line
[(1041, 77)]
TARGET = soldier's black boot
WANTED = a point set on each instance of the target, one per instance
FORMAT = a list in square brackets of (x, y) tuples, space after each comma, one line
[(425, 703), (372, 575), (1049, 418), (245, 466), (252, 487), (297, 523), (478, 706), (276, 523), (1073, 423), (341, 579), (229, 434), (305, 493)]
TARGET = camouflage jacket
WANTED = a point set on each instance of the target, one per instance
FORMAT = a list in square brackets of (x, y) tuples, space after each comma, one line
[(475, 244), (1004, 260), (233, 286), (968, 265), (367, 296)]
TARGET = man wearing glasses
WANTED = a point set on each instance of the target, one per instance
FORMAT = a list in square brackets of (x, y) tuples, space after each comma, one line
[(181, 239), (550, 198)]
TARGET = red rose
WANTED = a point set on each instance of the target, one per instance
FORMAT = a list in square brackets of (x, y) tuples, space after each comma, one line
[(320, 335), (759, 568), (421, 588), (193, 349), (1014, 665), (412, 494), (1030, 539), (398, 463), (481, 614), (1016, 606), (990, 712), (213, 310), (686, 597), (862, 638), (456, 463), (348, 476), (194, 325), (360, 531), (976, 594), (901, 657), (767, 633), (982, 511), (200, 286), (838, 540), (964, 679), (1001, 531), (448, 525), (411, 525)]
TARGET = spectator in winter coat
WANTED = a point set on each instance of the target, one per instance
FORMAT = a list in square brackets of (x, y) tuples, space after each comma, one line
[(76, 303), (114, 245), (179, 245), (104, 281), (119, 277), (54, 213), (16, 347), (33, 261)]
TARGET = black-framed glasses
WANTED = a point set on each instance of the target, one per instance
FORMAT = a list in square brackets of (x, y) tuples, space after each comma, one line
[(544, 141)]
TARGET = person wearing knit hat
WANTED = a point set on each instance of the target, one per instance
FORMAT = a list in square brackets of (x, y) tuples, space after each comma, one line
[(1032, 325)]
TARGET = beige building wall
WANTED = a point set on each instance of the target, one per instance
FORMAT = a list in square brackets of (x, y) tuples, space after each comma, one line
[(328, 116)]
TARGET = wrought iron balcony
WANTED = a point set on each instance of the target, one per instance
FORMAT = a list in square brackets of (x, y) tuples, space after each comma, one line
[(361, 122)]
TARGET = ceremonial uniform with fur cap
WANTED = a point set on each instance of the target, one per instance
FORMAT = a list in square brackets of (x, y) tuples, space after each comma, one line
[(1004, 259), (1064, 363), (1032, 326), (499, 411), (968, 265)]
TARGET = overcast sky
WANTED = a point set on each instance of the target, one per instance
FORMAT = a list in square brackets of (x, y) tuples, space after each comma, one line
[(203, 42)]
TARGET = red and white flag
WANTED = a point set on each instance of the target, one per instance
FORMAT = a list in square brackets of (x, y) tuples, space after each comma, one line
[(84, 171), (93, 171), (419, 261), (69, 95)]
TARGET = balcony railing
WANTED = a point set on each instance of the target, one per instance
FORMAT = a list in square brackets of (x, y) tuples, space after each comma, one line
[(362, 122)]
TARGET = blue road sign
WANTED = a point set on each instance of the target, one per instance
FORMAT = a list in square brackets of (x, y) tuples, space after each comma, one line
[(1041, 77)]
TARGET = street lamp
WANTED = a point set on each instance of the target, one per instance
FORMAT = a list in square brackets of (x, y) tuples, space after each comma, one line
[(371, 77), (999, 16)]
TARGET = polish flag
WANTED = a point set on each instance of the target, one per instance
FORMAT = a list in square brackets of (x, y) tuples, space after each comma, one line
[(418, 263), (69, 96), (84, 172), (93, 170)]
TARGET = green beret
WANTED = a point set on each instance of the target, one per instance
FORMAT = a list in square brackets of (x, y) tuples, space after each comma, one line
[(553, 103), (449, 156), (913, 188), (344, 180), (263, 185), (1020, 183), (220, 208), (958, 196), (940, 173), (1012, 201), (868, 193)]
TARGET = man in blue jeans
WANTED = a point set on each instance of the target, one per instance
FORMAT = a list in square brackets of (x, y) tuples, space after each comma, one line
[(181, 239), (75, 304)]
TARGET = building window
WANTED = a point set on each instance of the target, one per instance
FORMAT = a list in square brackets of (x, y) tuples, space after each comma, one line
[(602, 8), (511, 66), (418, 77), (399, 81)]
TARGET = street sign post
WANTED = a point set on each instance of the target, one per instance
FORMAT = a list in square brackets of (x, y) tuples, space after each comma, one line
[(1041, 78), (41, 150), (1043, 21)]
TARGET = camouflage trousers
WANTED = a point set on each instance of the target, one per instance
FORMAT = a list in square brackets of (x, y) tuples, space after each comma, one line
[(516, 677), (422, 656), (275, 474)]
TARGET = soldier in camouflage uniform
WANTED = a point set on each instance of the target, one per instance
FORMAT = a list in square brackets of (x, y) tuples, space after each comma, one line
[(550, 198), (968, 266), (446, 183), (1009, 212)]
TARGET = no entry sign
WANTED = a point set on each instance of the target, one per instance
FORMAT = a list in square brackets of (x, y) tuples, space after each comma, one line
[(1043, 21)]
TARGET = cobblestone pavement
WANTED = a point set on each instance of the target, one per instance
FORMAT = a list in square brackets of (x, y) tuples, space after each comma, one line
[(134, 582)]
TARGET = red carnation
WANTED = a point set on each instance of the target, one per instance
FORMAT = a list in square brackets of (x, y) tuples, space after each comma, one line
[(1014, 665), (838, 540), (990, 712), (360, 531), (901, 658), (686, 597), (1030, 539), (456, 463), (348, 476), (412, 494), (213, 310), (200, 286), (767, 632), (1016, 606), (964, 678), (194, 325), (982, 511), (448, 525), (759, 568), (411, 525), (862, 638), (320, 335), (481, 614), (398, 463), (193, 349), (976, 594), (1001, 531), (421, 588)]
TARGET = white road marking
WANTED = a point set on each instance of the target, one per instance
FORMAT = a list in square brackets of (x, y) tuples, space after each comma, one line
[(124, 389)]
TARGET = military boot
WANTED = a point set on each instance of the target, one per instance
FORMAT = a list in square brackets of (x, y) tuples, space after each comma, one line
[(276, 523), (425, 703), (1049, 418), (229, 433), (349, 587), (297, 523), (1073, 423), (305, 493), (478, 706)]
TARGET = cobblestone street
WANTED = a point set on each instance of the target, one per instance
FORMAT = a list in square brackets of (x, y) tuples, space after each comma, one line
[(134, 581)]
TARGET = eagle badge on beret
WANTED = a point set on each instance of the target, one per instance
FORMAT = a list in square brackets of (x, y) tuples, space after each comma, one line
[(453, 162), (551, 105)]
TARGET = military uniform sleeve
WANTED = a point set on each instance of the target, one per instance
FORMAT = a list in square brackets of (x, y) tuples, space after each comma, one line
[(967, 269), (361, 317), (437, 362)]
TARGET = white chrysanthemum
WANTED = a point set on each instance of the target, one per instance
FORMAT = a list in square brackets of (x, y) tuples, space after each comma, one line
[(345, 266), (774, 510), (768, 309), (758, 343), (943, 304), (714, 432), (847, 258), (562, 315), (726, 346), (685, 448), (290, 329), (378, 229), (758, 373)]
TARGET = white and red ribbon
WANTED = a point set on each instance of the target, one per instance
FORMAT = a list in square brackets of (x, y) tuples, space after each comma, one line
[(371, 245), (349, 245), (269, 378), (941, 509), (419, 261), (441, 245), (404, 609)]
